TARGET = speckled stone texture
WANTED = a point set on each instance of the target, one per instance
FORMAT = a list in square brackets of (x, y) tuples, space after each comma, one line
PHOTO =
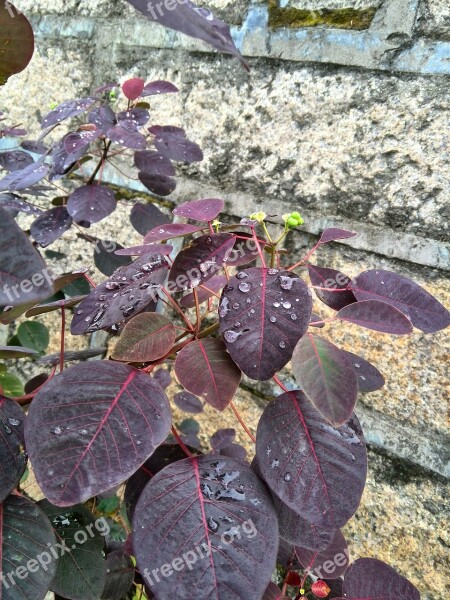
[(434, 19)]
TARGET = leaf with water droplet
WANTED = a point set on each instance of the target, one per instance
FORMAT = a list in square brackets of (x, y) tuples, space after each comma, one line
[(12, 452)]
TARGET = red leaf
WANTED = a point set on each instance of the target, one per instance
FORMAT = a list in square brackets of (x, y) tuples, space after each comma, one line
[(200, 210), (333, 233), (320, 589), (146, 337), (133, 88)]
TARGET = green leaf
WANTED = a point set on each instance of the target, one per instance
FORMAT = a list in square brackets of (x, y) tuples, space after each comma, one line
[(108, 505), (33, 334), (11, 385), (16, 41)]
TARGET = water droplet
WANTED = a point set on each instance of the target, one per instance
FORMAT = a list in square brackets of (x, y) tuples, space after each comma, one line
[(245, 287), (286, 282), (248, 301), (255, 501), (79, 312), (231, 336), (237, 324), (282, 344), (272, 271), (382, 282), (241, 275), (206, 491), (138, 442), (362, 377), (273, 319), (293, 316), (14, 422), (357, 365), (286, 304), (236, 305), (252, 311), (275, 463), (268, 450), (230, 494), (84, 431), (276, 304), (224, 307), (287, 477), (213, 525), (6, 428), (56, 430)]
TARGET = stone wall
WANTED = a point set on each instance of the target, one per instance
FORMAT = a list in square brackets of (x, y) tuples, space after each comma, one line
[(344, 116)]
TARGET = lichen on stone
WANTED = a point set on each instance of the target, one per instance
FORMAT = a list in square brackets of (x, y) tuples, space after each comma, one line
[(339, 18)]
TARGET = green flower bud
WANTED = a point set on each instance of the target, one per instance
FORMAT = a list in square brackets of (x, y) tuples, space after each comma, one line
[(292, 222)]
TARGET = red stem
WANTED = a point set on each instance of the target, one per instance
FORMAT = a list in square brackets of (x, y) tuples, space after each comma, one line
[(263, 262), (278, 382), (181, 443), (303, 260), (22, 400), (239, 418), (63, 333)]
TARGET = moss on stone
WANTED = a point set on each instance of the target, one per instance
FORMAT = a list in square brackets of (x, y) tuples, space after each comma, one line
[(339, 18)]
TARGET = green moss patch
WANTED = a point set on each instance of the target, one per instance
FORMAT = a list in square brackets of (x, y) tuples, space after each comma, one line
[(340, 18)]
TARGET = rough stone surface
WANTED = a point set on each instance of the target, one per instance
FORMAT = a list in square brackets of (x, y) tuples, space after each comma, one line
[(434, 19)]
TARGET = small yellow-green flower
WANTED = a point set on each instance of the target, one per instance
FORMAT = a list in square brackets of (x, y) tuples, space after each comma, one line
[(258, 216), (293, 219)]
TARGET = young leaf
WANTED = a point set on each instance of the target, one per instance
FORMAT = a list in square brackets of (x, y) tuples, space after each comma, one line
[(127, 292), (146, 337), (330, 278), (81, 572), (158, 87), (326, 375), (50, 226), (16, 41), (153, 163), (333, 233), (294, 444), (200, 210), (204, 292), (21, 267), (120, 575), (369, 377), (34, 335), (422, 309), (25, 533), (205, 368), (99, 418), (263, 313), (200, 261), (373, 579), (171, 230), (336, 557), (15, 160), (188, 402), (376, 315), (144, 217), (67, 110), (194, 21), (91, 203), (12, 447), (133, 88), (192, 509), (222, 438), (158, 184)]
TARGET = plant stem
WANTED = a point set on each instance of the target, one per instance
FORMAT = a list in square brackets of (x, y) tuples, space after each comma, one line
[(63, 332), (181, 443), (278, 382), (100, 163), (239, 418)]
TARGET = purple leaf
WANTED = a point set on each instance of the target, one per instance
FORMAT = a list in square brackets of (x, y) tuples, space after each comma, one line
[(144, 217), (369, 377), (16, 352), (330, 278), (188, 402), (63, 160), (12, 446), (222, 438), (316, 321), (332, 234), (25, 532), (200, 261), (146, 338), (50, 225), (91, 203), (235, 451), (34, 146), (67, 110), (422, 309), (198, 505), (41, 309), (175, 147), (376, 315), (132, 88), (98, 417), (108, 261), (15, 203), (294, 444), (15, 160), (326, 375), (103, 118), (273, 592), (164, 249), (127, 138), (332, 562), (245, 250), (158, 184), (373, 579), (193, 21), (171, 230), (119, 575), (17, 44), (78, 141), (133, 118), (22, 270), (70, 355), (158, 87), (26, 177), (153, 163), (162, 376), (263, 313), (205, 368), (158, 130), (127, 292), (200, 210), (204, 292), (14, 132)]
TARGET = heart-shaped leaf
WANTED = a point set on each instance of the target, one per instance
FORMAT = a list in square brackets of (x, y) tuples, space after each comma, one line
[(67, 110), (153, 163), (369, 377), (133, 88), (120, 575), (200, 210), (373, 579), (376, 315), (331, 279), (205, 291), (101, 420), (294, 444), (263, 313), (22, 270), (159, 87), (333, 233), (158, 184), (91, 203), (188, 402), (200, 261), (326, 375), (127, 292), (217, 517), (24, 178), (422, 309), (332, 562), (81, 569), (12, 448), (15, 160), (146, 337), (16, 41), (50, 226), (205, 368), (171, 230), (145, 217)]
